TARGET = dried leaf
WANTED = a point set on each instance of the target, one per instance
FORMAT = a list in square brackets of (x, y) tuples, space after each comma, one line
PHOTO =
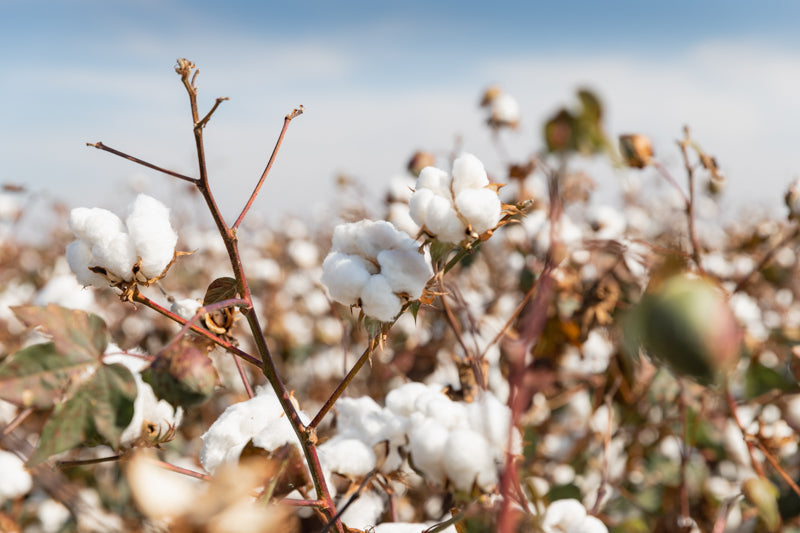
[(219, 290), (74, 332)]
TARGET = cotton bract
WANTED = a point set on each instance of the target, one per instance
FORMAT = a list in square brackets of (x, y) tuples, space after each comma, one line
[(452, 208), (376, 266), (104, 240)]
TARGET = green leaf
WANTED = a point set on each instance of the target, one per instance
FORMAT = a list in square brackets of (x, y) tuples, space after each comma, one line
[(38, 376), (74, 332), (219, 290), (414, 308), (97, 413)]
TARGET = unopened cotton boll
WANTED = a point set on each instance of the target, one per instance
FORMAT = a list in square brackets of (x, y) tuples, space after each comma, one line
[(152, 234)]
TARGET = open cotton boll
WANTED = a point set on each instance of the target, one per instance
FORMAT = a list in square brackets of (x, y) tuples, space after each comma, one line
[(345, 276), (407, 527), (152, 234), (491, 418), (504, 109), (147, 408), (481, 208), (379, 235), (468, 173), (117, 256), (347, 456), (364, 512), (237, 425), (95, 225), (80, 258), (468, 460), (442, 220), (419, 204), (406, 272), (17, 481), (427, 444), (402, 400), (435, 180), (378, 300)]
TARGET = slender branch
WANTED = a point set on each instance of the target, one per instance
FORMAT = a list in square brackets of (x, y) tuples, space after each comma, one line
[(180, 470), (777, 467), (287, 119), (348, 378), (210, 308), (356, 495), (205, 119), (101, 146), (84, 462), (243, 376), (759, 469), (21, 416), (144, 300), (667, 176), (690, 204)]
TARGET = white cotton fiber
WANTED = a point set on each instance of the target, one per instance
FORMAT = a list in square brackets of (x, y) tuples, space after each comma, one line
[(468, 173), (17, 481), (419, 204), (482, 207), (378, 300), (345, 276), (405, 272), (402, 400), (469, 460), (80, 258), (117, 256), (152, 234), (435, 180), (427, 444), (347, 456), (443, 221)]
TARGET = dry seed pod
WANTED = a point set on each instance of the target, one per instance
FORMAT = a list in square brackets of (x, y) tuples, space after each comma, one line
[(636, 150)]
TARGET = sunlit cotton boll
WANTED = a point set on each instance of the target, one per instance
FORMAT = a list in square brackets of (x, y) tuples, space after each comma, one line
[(375, 265), (16, 480), (446, 207), (152, 234)]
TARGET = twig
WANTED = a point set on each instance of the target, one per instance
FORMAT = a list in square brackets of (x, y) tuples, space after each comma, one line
[(84, 462), (179, 469), (101, 146), (348, 378), (287, 119), (21, 416), (356, 495), (205, 119), (777, 467), (759, 469), (690, 203)]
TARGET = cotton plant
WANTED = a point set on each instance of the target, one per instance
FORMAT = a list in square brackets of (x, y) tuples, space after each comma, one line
[(108, 251), (375, 266), (455, 207)]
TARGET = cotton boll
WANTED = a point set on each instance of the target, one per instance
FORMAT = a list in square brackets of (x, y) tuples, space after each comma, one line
[(376, 236), (401, 400), (443, 221), (435, 180), (468, 460), (236, 426), (152, 234), (365, 511), (378, 300), (419, 204), (491, 418), (185, 307), (17, 481), (427, 443), (345, 237), (303, 253), (437, 406), (504, 109), (80, 258), (481, 208), (468, 173), (406, 272), (117, 256), (345, 276), (347, 456), (95, 225), (562, 515), (589, 524)]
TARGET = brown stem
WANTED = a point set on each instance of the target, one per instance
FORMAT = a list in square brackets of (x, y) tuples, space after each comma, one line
[(306, 438), (348, 378), (21, 416), (287, 119), (144, 300), (210, 308), (180, 470), (759, 469), (690, 203), (777, 467), (84, 462), (101, 146), (202, 123)]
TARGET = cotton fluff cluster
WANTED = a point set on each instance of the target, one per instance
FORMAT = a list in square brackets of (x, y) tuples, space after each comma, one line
[(260, 419), (103, 240), (452, 208), (376, 266), (159, 416), (17, 481), (569, 516), (463, 443)]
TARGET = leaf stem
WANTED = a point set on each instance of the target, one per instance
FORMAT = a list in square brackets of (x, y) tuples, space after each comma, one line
[(101, 146)]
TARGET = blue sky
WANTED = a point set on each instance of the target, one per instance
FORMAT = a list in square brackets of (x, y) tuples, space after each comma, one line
[(378, 83)]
